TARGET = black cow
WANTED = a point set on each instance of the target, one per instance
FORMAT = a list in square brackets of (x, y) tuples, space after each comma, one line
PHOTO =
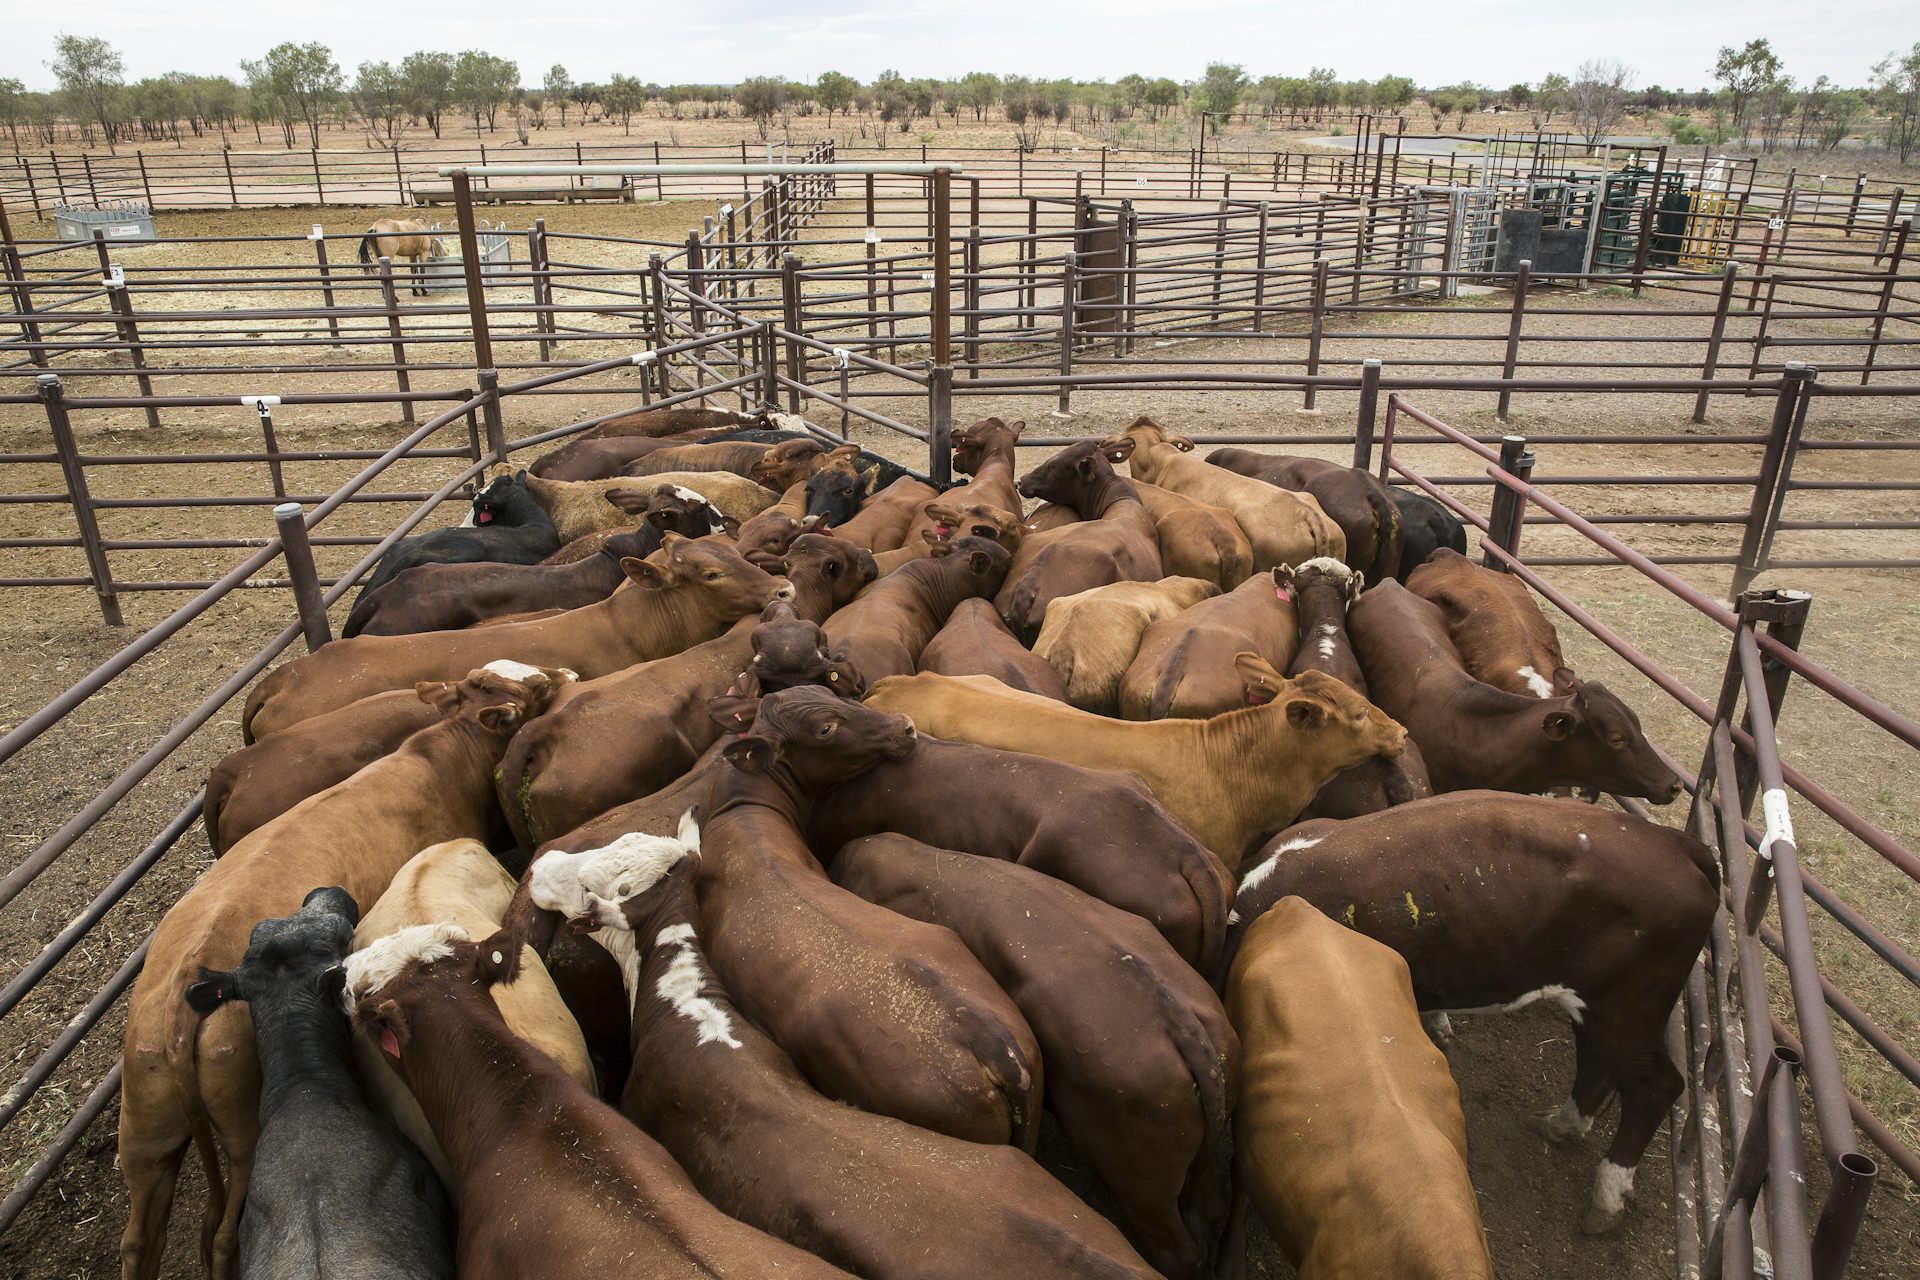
[(336, 1190), (508, 527), (1425, 527)]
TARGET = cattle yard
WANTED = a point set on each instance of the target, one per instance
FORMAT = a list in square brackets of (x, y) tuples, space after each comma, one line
[(230, 420)]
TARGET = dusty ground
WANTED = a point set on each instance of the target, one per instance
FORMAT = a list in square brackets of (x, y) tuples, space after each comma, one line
[(1511, 1069)]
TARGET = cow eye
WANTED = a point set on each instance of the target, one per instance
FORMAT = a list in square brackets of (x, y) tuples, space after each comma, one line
[(713, 575), (826, 730)]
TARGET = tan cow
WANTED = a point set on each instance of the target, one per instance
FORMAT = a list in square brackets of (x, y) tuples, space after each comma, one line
[(1494, 621), (193, 1080), (1197, 539), (1090, 637), (1185, 665), (1349, 1138), (581, 507), (1231, 780), (1285, 528), (688, 591), (460, 883)]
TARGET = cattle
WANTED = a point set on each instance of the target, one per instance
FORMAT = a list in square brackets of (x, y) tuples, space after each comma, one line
[(976, 519), (677, 420), (196, 1080), (333, 1185), (1350, 496), (879, 522), (1331, 1046), (1232, 780), (509, 527), (1474, 735), (985, 451), (1114, 540), (1101, 832), (688, 591), (602, 458), (876, 1010), (1498, 899), (876, 472), (666, 510), (975, 642), (1090, 638), (460, 883), (1322, 589), (1425, 526), (1493, 621), (633, 731), (1284, 528), (582, 507), (446, 597), (1142, 1063), (1197, 540), (885, 628), (736, 456), (548, 1177), (781, 466), (1185, 664), (769, 1149)]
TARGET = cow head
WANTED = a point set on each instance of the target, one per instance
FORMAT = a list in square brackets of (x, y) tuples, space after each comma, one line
[(976, 520), (833, 566), (1069, 475), (789, 651), (971, 445), (505, 502), (788, 463), (296, 958), (815, 737), (672, 509), (766, 537), (594, 888), (1327, 570), (500, 697), (1324, 711), (835, 494), (414, 965), (710, 569), (985, 562), (1598, 742)]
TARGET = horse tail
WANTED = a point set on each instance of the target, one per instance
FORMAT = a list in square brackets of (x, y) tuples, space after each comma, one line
[(367, 252)]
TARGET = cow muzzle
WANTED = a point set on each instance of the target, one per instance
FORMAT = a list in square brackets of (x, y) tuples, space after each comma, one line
[(785, 591)]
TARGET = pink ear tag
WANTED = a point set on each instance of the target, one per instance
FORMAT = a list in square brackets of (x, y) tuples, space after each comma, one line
[(1281, 592)]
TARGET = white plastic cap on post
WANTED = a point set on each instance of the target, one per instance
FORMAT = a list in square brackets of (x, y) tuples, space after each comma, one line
[(644, 357), (873, 235), (842, 357), (286, 511), (318, 233), (258, 403), (726, 210), (116, 277)]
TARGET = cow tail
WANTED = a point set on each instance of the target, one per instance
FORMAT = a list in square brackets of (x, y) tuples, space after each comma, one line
[(1386, 554), (183, 1067), (1206, 1195)]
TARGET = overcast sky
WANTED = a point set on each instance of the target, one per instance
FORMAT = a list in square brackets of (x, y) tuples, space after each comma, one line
[(1494, 42)]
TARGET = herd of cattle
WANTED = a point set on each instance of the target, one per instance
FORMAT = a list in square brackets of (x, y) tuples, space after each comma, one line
[(714, 857)]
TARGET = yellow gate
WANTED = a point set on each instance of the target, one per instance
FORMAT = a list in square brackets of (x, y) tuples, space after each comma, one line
[(1712, 222)]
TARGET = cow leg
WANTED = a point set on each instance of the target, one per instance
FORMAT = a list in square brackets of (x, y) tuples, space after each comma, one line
[(1649, 1083), (1439, 1029), (230, 1085), (1592, 1086), (153, 1139)]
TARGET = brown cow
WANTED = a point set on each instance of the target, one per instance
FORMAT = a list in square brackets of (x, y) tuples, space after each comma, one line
[(1493, 621), (1322, 590), (1185, 665), (1141, 1060), (788, 463), (606, 457), (1352, 499), (678, 421), (767, 1148), (1284, 528), (1197, 540), (975, 518), (884, 630), (629, 733), (985, 451), (1474, 735), (1233, 780), (1090, 638), (975, 642), (667, 510), (688, 591), (882, 519), (1501, 899), (188, 1079), (1108, 836), (1114, 541), (1333, 1048), (548, 1177), (739, 457)]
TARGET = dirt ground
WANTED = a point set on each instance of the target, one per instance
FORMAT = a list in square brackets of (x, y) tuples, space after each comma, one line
[(1511, 1069)]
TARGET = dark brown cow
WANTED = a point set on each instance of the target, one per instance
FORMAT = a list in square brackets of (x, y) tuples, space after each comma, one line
[(1141, 1061), (548, 1178), (1474, 735), (1184, 667), (1101, 832), (446, 597), (1114, 540), (976, 519), (975, 642), (676, 421), (768, 1149), (1352, 498), (603, 458), (737, 456), (881, 520), (1498, 899), (884, 630), (1493, 621), (985, 451)]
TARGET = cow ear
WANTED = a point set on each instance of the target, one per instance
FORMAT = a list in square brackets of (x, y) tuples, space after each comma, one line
[(500, 719), (388, 1026), (332, 982), (1306, 713), (1257, 675), (1118, 449), (1559, 725), (728, 525), (438, 694), (869, 567), (520, 477), (751, 754), (1017, 428), (499, 958), (215, 988), (1181, 443), (631, 501), (1565, 682), (646, 574), (980, 562), (732, 713)]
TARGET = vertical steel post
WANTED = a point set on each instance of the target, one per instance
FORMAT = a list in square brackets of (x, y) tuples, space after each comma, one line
[(1068, 290), (1369, 409), (1260, 272), (790, 309), (1710, 363), (970, 300), (1886, 298), (539, 285), (1515, 322), (319, 239), (490, 414), (1318, 327), (391, 301), (1749, 564), (297, 549), (263, 405), (940, 345), (17, 285), (940, 423), (54, 397), (233, 192), (1505, 519)]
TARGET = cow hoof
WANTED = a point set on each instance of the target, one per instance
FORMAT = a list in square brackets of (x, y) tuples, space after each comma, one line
[(1439, 1030), (1564, 1126), (1599, 1222)]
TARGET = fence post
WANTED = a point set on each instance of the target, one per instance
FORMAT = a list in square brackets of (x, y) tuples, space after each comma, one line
[(1369, 408), (22, 292), (1130, 282), (1760, 332), (390, 300), (1219, 253), (1509, 510), (1893, 218), (297, 549), (263, 405), (318, 186), (659, 179), (124, 324), (769, 359), (940, 423), (1319, 324), (1067, 290), (226, 158), (1886, 296), (93, 191), (542, 292), (696, 261), (59, 179), (54, 397), (490, 414), (399, 179), (790, 308), (319, 237), (146, 187), (1710, 364), (1750, 563), (1853, 205), (1260, 273), (1515, 322), (970, 300)]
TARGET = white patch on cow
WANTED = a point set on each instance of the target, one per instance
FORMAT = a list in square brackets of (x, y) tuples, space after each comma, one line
[(788, 422), (680, 987), (1327, 634), (470, 521), (373, 966), (569, 882), (1541, 686), (1567, 1122), (685, 494), (1327, 565), (508, 669), (1254, 877), (1612, 1188), (1566, 997)]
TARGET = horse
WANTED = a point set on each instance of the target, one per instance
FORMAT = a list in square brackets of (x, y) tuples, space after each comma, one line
[(399, 238)]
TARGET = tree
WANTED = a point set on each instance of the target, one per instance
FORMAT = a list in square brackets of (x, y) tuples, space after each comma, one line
[(428, 80), (622, 97), (1896, 91), (1219, 90), (482, 83), (1162, 94), (1597, 98), (381, 96), (1133, 92), (1321, 81), (1392, 93), (1519, 95), (977, 90), (1551, 96), (89, 71), (558, 85), (834, 92), (13, 108), (759, 98), (303, 78), (1745, 72)]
